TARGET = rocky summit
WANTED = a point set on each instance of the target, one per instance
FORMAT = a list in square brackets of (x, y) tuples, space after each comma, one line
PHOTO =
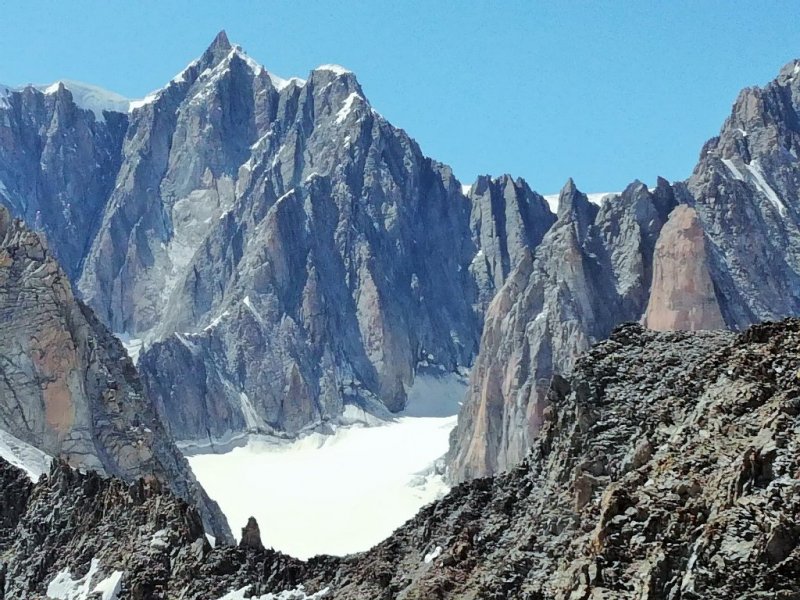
[(667, 466)]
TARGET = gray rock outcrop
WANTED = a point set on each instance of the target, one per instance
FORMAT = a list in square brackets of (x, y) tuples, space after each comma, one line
[(592, 270), (279, 246), (58, 165)]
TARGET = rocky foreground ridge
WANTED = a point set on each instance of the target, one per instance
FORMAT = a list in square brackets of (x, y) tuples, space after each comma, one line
[(667, 467)]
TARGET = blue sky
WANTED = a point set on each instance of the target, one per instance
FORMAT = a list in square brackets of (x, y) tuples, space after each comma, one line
[(602, 92)]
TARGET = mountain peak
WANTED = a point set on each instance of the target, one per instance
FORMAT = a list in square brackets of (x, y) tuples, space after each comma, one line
[(221, 41), (220, 47), (568, 197), (790, 71)]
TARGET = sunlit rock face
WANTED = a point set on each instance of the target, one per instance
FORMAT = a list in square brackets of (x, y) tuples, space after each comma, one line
[(285, 252), (592, 270), (281, 249), (66, 385), (682, 296)]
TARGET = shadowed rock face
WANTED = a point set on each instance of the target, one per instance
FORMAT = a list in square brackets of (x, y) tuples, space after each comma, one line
[(507, 220), (66, 385), (729, 256), (665, 467), (58, 164)]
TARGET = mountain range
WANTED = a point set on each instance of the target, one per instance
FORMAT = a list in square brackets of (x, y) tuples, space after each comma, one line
[(274, 251), (279, 251)]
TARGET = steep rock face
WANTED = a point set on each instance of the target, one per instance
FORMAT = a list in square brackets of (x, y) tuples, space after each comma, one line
[(315, 318), (592, 270), (682, 295), (281, 248), (58, 162), (181, 153), (747, 190), (66, 384), (285, 250), (507, 220), (666, 467)]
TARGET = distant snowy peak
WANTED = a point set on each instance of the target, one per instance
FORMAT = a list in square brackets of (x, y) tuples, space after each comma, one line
[(335, 69), (89, 97), (597, 198)]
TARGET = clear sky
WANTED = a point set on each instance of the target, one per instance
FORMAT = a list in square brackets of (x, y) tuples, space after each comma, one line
[(602, 92)]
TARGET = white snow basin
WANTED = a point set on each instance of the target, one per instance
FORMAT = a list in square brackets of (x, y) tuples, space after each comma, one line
[(340, 493)]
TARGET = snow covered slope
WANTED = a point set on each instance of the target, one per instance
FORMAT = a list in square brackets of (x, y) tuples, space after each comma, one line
[(341, 493), (24, 456)]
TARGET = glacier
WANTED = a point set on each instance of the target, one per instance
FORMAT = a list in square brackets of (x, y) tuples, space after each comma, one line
[(343, 492)]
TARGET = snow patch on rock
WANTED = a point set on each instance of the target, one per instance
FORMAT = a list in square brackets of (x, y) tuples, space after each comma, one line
[(761, 184), (90, 97), (737, 174), (347, 107), (24, 456), (64, 587), (149, 99), (433, 555), (595, 198), (335, 69), (299, 593), (133, 346)]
